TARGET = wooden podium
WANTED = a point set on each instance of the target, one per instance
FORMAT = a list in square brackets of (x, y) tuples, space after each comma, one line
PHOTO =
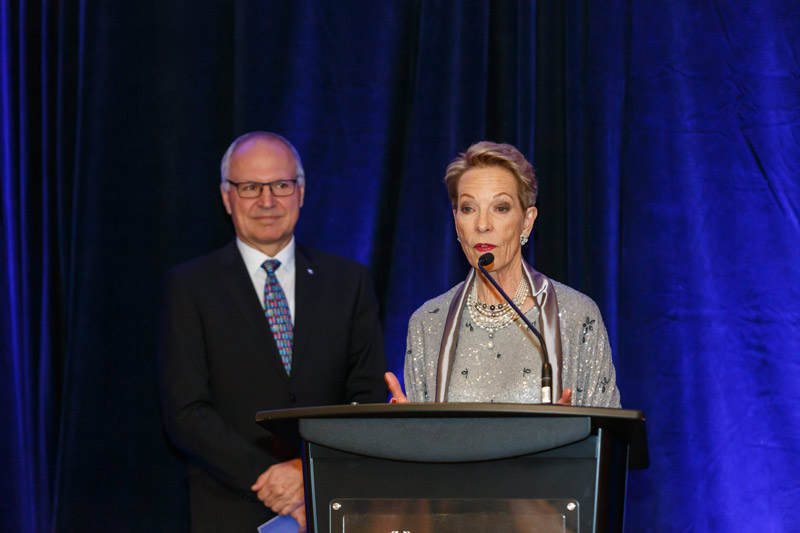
[(464, 467)]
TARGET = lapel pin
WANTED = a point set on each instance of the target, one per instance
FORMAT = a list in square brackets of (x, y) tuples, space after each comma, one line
[(310, 271)]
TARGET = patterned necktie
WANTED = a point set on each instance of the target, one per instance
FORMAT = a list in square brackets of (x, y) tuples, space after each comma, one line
[(276, 308)]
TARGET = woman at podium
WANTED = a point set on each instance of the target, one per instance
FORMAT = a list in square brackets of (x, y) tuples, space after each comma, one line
[(469, 344)]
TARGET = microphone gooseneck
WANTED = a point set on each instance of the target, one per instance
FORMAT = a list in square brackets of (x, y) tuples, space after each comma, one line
[(547, 373)]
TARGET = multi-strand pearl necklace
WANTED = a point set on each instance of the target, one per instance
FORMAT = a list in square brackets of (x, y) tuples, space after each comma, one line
[(492, 317)]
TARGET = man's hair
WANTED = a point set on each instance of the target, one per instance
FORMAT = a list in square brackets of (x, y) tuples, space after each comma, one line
[(226, 159), (489, 154)]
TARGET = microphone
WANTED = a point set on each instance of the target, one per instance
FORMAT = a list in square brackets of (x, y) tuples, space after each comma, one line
[(547, 373)]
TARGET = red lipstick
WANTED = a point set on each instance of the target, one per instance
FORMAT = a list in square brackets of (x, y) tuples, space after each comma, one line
[(483, 247)]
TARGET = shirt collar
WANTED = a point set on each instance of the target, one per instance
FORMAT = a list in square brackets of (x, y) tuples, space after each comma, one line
[(253, 259)]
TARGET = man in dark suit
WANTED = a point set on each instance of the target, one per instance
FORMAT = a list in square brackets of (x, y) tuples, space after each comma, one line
[(260, 324)]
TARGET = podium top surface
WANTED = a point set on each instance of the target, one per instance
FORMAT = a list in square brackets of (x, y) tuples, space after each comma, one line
[(450, 409), (626, 424)]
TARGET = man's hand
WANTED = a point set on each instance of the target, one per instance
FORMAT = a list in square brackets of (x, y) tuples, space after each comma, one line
[(299, 515), (281, 489), (394, 387)]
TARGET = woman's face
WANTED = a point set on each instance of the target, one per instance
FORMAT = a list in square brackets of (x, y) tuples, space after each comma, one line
[(489, 217)]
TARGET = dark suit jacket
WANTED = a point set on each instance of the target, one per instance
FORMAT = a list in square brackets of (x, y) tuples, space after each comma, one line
[(219, 365)]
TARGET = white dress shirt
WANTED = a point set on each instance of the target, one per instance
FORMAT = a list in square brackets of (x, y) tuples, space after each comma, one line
[(253, 259)]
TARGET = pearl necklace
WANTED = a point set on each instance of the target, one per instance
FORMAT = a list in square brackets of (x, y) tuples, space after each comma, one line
[(492, 317)]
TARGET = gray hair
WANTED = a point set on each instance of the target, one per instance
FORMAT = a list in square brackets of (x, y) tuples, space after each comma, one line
[(226, 159)]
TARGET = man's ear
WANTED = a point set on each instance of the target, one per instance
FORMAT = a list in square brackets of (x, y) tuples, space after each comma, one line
[(226, 198)]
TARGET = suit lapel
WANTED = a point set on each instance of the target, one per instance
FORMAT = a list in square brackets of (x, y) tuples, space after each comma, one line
[(236, 280), (306, 290)]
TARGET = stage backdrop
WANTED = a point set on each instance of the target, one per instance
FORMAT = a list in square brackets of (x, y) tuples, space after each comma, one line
[(667, 140)]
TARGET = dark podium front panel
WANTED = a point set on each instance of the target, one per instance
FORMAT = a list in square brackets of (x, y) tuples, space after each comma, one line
[(466, 467)]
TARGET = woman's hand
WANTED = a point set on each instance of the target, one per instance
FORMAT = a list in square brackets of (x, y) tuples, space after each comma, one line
[(394, 387), (566, 397)]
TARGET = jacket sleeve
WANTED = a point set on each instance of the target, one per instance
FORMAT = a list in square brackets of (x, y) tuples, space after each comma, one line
[(190, 416), (366, 357), (597, 383)]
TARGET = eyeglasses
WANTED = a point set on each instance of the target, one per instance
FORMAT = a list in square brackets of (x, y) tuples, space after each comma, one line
[(253, 189)]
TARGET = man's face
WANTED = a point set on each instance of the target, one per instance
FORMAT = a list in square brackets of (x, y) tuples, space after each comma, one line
[(266, 222)]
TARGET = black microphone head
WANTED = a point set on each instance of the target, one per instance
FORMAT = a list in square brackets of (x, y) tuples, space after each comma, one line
[(486, 259)]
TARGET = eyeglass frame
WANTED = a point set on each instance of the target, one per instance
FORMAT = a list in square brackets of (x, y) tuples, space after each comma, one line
[(261, 186)]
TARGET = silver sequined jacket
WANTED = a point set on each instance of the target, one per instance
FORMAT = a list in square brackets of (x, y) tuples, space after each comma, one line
[(508, 370)]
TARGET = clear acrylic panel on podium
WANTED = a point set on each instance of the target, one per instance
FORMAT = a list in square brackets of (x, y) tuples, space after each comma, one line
[(406, 515)]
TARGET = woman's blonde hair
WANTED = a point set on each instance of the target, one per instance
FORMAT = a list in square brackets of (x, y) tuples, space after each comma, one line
[(489, 154)]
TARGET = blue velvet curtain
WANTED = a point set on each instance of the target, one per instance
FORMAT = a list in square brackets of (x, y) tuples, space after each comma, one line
[(666, 136)]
